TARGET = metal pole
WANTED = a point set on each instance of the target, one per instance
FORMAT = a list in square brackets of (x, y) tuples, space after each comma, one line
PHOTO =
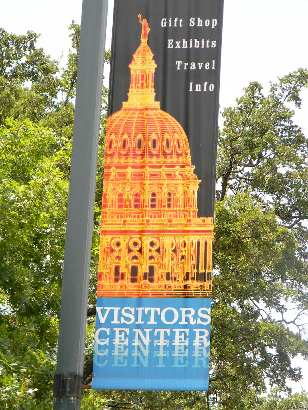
[(68, 378)]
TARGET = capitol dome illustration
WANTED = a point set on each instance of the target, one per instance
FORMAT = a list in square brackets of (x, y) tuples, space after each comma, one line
[(152, 243)]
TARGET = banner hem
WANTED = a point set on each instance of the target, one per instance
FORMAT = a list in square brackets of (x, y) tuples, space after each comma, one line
[(158, 385)]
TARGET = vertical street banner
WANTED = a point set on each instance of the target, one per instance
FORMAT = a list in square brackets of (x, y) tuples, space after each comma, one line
[(155, 258)]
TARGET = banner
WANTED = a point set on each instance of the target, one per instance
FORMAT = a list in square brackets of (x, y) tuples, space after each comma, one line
[(155, 260)]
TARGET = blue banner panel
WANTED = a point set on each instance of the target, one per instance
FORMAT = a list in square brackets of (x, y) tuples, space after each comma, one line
[(152, 343)]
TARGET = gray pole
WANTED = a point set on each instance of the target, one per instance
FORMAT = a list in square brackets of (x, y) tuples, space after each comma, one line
[(67, 386)]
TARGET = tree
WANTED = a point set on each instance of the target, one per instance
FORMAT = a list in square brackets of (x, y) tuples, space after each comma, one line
[(35, 145), (33, 199), (28, 82), (261, 148), (259, 248), (259, 244)]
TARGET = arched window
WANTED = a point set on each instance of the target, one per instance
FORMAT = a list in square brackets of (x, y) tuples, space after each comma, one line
[(117, 273), (151, 275), (142, 80), (198, 257), (153, 200), (154, 143), (134, 273), (137, 200), (124, 145), (169, 200), (139, 142), (121, 200), (167, 144), (178, 145), (111, 144)]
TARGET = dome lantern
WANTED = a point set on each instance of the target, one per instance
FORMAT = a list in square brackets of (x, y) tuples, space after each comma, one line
[(142, 70)]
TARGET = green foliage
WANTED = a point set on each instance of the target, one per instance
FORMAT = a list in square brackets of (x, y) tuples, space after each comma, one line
[(69, 77), (28, 82), (259, 244), (249, 344), (259, 258), (21, 60), (261, 148), (294, 402), (33, 208)]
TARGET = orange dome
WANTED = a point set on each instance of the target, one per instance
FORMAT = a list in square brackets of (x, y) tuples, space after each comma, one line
[(141, 130), (149, 135)]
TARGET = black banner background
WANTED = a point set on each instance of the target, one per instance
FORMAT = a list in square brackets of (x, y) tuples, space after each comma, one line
[(197, 111)]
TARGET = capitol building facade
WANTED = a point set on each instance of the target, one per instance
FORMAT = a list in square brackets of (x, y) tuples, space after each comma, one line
[(152, 243)]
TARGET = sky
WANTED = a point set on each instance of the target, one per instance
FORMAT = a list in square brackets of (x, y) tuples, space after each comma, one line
[(262, 40)]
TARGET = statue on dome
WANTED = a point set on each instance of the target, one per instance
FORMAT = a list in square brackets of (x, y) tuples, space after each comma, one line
[(145, 28)]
